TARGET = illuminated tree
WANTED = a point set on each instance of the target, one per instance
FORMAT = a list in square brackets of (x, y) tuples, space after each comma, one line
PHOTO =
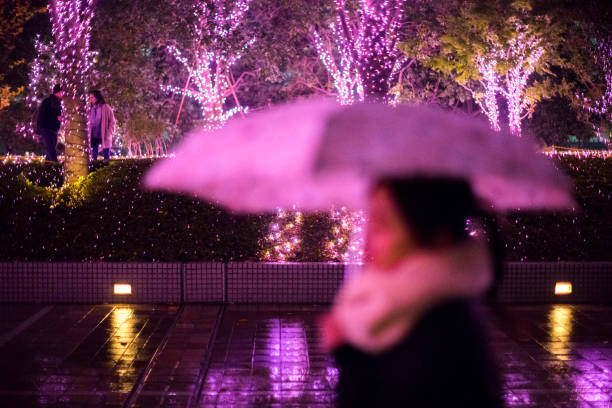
[(603, 106), (362, 59), (600, 105), (340, 67), (210, 80), (520, 56), (71, 26), (361, 55), (487, 100), (494, 49)]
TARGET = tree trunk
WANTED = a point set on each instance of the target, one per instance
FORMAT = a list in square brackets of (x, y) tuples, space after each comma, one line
[(70, 26), (76, 157), (375, 61)]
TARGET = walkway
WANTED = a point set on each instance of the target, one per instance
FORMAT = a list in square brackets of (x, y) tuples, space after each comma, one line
[(266, 355)]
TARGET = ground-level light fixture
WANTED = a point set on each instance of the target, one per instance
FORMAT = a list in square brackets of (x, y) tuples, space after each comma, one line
[(563, 288), (122, 289)]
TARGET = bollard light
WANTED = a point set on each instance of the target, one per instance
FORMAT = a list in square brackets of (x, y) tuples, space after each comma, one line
[(563, 288), (122, 289)]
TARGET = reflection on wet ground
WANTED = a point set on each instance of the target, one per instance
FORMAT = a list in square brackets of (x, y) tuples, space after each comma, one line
[(555, 355), (78, 355), (266, 355), (269, 357)]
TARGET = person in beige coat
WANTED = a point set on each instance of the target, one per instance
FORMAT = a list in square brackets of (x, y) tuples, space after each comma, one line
[(101, 125)]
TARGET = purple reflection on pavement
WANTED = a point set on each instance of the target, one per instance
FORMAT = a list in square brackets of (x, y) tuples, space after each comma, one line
[(287, 341), (570, 364), (269, 357)]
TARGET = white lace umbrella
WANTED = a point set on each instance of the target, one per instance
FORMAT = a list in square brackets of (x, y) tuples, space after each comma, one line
[(315, 154)]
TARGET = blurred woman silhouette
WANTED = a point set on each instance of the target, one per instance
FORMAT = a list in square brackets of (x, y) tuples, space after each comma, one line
[(407, 330)]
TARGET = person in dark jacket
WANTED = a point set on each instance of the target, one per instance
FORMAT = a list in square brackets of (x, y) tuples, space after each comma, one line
[(407, 331), (49, 121)]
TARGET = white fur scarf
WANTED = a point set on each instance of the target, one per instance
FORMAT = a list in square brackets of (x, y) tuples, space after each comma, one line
[(378, 308)]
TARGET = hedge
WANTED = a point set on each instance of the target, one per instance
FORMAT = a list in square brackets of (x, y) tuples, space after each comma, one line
[(109, 217)]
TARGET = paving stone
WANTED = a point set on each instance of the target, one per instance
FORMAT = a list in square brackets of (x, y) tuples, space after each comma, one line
[(76, 354), (550, 356)]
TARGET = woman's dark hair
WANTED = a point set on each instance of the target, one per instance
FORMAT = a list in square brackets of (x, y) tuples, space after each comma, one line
[(98, 95), (436, 210), (57, 88)]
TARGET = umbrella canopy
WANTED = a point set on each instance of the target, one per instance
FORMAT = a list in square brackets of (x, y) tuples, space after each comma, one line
[(374, 141), (259, 163), (315, 154)]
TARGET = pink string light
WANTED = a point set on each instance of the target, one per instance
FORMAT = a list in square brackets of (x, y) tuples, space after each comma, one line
[(67, 60), (490, 82), (522, 54), (525, 51), (362, 60), (348, 242), (71, 28), (601, 107), (361, 56), (211, 60), (41, 77), (347, 80), (283, 239)]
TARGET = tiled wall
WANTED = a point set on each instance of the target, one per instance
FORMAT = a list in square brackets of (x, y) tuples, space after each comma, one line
[(283, 282), (204, 282), (89, 282), (535, 282), (262, 282)]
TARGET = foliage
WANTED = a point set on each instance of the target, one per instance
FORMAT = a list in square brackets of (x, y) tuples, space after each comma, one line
[(282, 64), (218, 40), (492, 48), (131, 38), (555, 120), (107, 216), (580, 77), (112, 218), (71, 29), (19, 21), (581, 235), (14, 14), (133, 43), (7, 95), (452, 37), (418, 83)]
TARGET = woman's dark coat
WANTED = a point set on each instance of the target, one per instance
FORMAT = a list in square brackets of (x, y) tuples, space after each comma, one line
[(443, 362)]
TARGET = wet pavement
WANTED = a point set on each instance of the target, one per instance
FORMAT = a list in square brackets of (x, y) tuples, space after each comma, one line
[(269, 356), (264, 355), (555, 355)]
